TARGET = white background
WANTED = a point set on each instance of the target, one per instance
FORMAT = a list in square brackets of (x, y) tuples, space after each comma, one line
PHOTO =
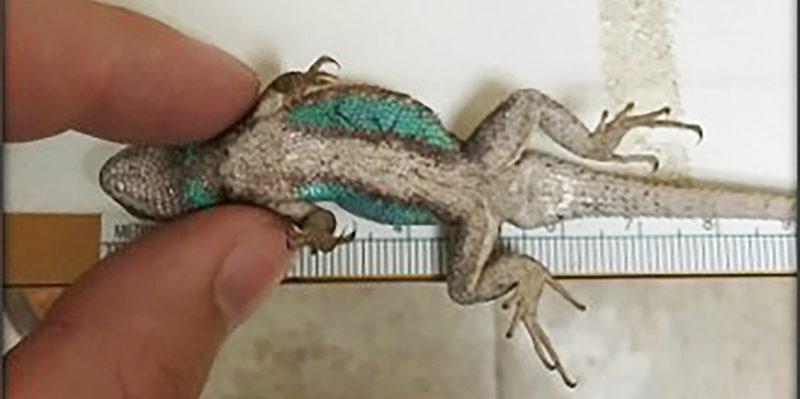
[(655, 338), (733, 71)]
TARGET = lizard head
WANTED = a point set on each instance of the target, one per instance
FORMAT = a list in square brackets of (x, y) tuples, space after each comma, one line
[(162, 182)]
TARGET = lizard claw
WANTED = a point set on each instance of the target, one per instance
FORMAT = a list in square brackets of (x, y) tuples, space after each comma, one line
[(608, 134), (315, 76), (295, 84), (318, 241), (526, 301), (316, 232), (321, 61)]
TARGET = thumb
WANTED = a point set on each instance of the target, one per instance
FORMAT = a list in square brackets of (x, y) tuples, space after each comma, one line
[(147, 322)]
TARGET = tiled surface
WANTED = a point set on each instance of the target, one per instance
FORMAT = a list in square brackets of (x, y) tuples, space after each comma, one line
[(701, 338)]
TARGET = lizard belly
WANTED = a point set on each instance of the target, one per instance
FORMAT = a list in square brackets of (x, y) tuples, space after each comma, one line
[(539, 191), (382, 181)]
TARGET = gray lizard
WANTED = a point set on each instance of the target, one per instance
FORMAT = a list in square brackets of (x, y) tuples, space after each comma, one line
[(386, 157)]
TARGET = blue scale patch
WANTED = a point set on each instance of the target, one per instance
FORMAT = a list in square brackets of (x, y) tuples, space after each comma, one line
[(195, 194), (375, 208), (379, 115)]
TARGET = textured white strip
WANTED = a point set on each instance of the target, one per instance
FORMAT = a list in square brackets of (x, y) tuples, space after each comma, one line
[(639, 66)]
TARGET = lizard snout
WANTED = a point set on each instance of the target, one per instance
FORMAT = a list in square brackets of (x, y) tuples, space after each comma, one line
[(140, 180)]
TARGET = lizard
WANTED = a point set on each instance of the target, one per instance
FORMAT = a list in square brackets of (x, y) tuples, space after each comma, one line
[(385, 156)]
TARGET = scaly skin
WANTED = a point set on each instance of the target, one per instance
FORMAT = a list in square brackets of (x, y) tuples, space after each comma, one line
[(386, 157)]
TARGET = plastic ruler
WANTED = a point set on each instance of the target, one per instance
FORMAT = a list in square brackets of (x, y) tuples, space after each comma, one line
[(581, 248)]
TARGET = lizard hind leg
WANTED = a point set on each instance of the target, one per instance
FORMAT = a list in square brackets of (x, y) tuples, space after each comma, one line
[(503, 136), (482, 270), (532, 277)]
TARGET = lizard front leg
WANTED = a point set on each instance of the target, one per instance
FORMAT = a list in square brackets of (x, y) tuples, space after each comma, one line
[(291, 86), (503, 135), (296, 83), (312, 226)]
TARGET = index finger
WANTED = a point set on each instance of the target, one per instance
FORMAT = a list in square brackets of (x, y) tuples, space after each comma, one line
[(117, 75)]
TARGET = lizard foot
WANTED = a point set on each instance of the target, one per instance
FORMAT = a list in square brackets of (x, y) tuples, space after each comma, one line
[(525, 298), (317, 232), (295, 84), (608, 134), (288, 87)]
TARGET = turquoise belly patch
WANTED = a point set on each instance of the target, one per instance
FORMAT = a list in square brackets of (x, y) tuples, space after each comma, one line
[(370, 113), (375, 208), (196, 195), (194, 192)]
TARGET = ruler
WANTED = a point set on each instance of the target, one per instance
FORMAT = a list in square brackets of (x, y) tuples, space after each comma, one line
[(580, 248)]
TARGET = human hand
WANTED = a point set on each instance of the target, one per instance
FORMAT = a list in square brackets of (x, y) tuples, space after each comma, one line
[(146, 322)]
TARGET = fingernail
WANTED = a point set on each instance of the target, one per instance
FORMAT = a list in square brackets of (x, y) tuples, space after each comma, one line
[(249, 272)]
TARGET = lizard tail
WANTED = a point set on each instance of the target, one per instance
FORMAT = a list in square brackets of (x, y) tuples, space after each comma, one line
[(686, 198), (568, 191)]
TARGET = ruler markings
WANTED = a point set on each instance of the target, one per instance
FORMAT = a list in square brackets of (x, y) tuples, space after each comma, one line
[(739, 254), (577, 251)]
